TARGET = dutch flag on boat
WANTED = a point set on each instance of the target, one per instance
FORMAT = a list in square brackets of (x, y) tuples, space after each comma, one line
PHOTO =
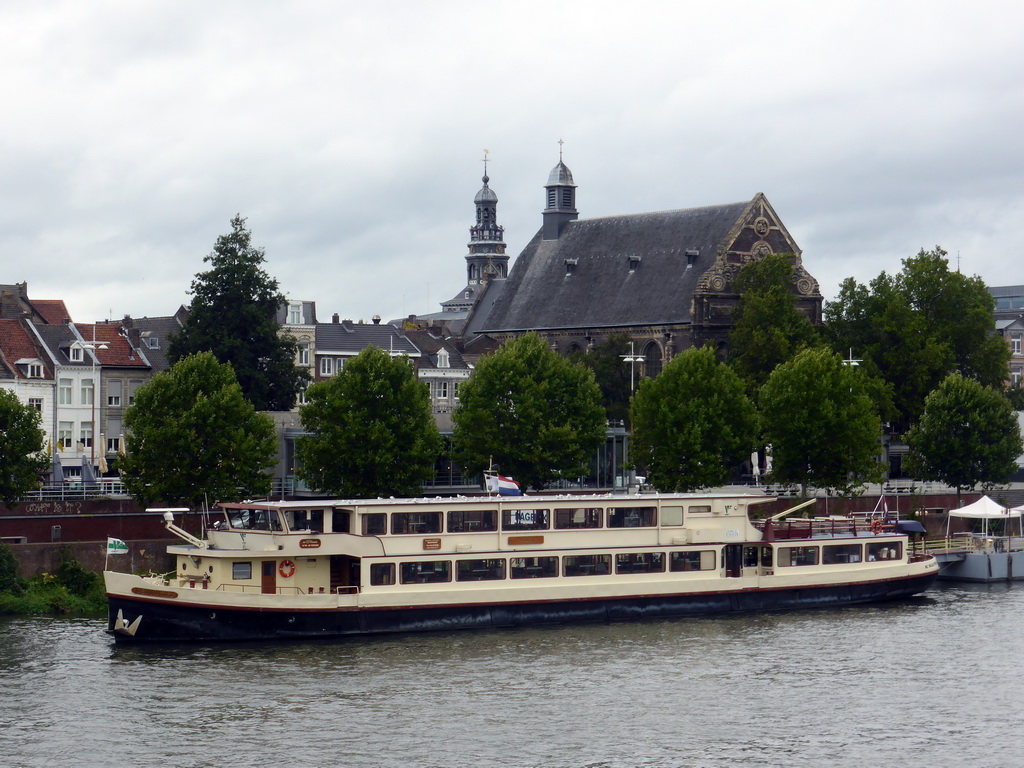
[(505, 486)]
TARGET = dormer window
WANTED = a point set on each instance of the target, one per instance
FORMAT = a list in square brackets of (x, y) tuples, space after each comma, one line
[(570, 265), (153, 342), (634, 262), (691, 256), (295, 314), (442, 359), (35, 370), (75, 354)]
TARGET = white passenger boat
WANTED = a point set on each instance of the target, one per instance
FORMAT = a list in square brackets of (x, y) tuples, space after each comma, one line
[(305, 569)]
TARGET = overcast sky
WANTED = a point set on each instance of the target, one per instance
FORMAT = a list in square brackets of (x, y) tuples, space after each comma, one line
[(351, 135)]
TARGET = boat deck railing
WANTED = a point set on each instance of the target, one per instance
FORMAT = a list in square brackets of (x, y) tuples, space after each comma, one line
[(258, 589), (825, 527), (967, 543)]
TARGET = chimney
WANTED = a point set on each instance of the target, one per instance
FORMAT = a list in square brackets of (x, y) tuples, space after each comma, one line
[(335, 318)]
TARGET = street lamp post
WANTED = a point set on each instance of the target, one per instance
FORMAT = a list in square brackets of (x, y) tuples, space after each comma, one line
[(632, 358), (92, 347)]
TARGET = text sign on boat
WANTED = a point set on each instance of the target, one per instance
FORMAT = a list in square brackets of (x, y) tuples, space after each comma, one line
[(429, 544), (309, 543), (524, 540)]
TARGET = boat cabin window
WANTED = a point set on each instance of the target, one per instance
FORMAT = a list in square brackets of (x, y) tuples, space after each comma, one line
[(766, 557), (375, 524), (308, 520), (885, 550), (701, 560), (586, 565), (671, 516), (533, 567), (578, 518), (472, 520), (241, 571), (750, 557), (382, 574), (416, 522), (427, 572), (699, 509), (341, 519), (632, 517), (255, 519), (841, 553), (480, 570), (642, 562), (525, 519), (793, 556)]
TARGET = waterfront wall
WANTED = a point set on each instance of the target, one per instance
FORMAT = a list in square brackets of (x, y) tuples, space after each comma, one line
[(143, 555)]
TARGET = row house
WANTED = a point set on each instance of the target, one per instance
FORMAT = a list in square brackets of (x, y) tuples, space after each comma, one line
[(1009, 313), (27, 370), (80, 378)]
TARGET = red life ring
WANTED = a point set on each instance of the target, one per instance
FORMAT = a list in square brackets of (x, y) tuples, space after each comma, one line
[(287, 569), (876, 526)]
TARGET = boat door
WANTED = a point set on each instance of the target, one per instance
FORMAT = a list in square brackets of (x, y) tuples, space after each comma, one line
[(733, 556), (269, 582)]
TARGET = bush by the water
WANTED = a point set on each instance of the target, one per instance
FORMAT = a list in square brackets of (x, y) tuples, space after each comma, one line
[(71, 590)]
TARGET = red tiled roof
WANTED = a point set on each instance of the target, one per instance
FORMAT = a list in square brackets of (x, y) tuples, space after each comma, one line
[(16, 343), (52, 311), (118, 352)]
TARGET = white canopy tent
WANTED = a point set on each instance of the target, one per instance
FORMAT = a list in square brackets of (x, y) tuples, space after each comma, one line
[(986, 509)]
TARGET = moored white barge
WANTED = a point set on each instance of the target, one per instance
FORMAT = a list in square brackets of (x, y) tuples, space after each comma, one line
[(280, 570)]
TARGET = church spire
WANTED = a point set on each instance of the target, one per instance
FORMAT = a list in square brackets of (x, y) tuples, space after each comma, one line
[(560, 207), (486, 258)]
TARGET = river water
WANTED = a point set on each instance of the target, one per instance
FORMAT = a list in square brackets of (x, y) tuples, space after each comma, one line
[(933, 681)]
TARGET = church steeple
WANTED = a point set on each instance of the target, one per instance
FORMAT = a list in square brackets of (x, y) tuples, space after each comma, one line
[(486, 258), (560, 207)]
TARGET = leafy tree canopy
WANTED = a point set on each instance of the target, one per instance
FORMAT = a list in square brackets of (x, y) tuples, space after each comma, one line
[(913, 329), (692, 423), (192, 437), (968, 434), (233, 314), (536, 413), (22, 456), (610, 372), (371, 429), (768, 329), (821, 424)]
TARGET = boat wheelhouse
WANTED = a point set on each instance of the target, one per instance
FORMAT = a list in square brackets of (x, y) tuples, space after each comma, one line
[(278, 570)]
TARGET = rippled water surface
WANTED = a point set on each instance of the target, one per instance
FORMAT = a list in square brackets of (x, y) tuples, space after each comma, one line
[(935, 681)]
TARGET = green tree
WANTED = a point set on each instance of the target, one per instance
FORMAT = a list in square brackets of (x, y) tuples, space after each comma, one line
[(968, 434), (10, 581), (610, 372), (821, 424), (692, 424), (191, 436), (22, 457), (913, 329), (233, 313), (534, 412), (768, 329), (371, 430)]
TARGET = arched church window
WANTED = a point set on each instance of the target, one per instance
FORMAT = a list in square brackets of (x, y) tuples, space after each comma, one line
[(652, 360)]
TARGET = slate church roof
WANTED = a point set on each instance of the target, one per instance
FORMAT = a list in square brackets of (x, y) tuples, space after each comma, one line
[(638, 269)]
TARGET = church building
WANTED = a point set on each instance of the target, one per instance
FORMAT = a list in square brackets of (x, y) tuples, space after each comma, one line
[(663, 278)]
